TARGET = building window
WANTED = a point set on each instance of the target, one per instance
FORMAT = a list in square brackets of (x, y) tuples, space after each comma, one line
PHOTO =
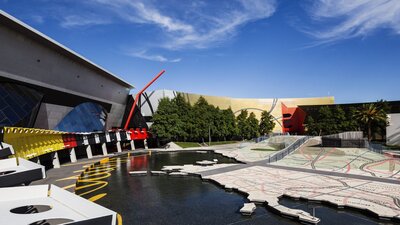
[(86, 117), (18, 105), (286, 115)]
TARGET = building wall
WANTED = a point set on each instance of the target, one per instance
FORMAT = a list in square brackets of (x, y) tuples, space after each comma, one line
[(29, 61), (293, 119), (274, 105), (50, 115), (393, 130)]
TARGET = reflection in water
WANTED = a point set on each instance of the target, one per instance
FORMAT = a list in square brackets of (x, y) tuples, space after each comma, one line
[(157, 160), (139, 162), (189, 200)]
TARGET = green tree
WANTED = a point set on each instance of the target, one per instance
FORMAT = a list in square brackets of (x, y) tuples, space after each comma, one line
[(184, 111), (202, 119), (242, 124), (369, 115), (351, 124), (379, 127), (166, 122), (217, 125), (339, 119), (326, 121), (267, 123), (312, 126), (253, 125), (231, 129)]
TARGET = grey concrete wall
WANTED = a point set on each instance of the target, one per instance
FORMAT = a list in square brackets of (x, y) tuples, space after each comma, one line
[(393, 130), (26, 60), (154, 97), (50, 115)]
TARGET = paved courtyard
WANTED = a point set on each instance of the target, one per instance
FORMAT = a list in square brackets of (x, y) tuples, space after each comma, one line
[(252, 152), (346, 160)]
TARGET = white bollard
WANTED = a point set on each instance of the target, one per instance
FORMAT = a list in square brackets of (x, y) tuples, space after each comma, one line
[(104, 147), (145, 144), (89, 152), (119, 149), (132, 145), (56, 160), (72, 155)]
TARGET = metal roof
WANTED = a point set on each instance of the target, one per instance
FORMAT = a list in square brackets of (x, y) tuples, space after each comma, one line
[(17, 25)]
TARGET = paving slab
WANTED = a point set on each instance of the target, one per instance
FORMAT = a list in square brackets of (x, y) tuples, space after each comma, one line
[(360, 161), (158, 173), (138, 173), (248, 209)]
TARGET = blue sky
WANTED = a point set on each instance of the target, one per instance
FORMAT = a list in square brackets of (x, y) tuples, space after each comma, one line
[(349, 49)]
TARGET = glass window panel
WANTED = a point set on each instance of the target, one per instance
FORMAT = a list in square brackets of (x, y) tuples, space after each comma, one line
[(86, 117), (18, 104)]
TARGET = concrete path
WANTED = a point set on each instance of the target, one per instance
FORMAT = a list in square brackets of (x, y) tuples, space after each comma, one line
[(224, 169), (320, 172), (336, 174)]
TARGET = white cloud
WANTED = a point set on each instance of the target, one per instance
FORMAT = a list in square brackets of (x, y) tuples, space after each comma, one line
[(138, 11), (158, 58), (354, 18), (192, 25), (37, 19), (78, 21)]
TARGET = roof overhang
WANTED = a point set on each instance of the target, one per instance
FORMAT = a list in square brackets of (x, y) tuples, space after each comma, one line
[(19, 26)]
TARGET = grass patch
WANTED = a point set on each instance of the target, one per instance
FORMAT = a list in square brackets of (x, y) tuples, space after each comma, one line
[(188, 144), (264, 149), (195, 144), (222, 142)]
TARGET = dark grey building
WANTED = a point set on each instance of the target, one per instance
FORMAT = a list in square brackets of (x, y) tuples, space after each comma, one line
[(43, 84)]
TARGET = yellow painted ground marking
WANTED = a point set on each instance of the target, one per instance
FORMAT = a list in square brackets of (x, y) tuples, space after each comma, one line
[(119, 219), (69, 186), (80, 163), (97, 197), (95, 176), (93, 183), (79, 171), (69, 178), (92, 177), (105, 160)]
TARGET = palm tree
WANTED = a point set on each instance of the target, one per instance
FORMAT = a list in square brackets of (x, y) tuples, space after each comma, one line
[(368, 114)]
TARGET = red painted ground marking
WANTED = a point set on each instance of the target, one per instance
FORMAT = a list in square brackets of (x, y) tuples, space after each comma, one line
[(380, 163), (327, 154), (345, 200), (348, 167), (305, 156)]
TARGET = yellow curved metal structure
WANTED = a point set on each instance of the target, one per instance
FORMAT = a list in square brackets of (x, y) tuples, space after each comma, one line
[(29, 142)]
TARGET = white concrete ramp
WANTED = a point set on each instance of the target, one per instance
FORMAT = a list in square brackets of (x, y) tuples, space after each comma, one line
[(17, 171), (49, 203)]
